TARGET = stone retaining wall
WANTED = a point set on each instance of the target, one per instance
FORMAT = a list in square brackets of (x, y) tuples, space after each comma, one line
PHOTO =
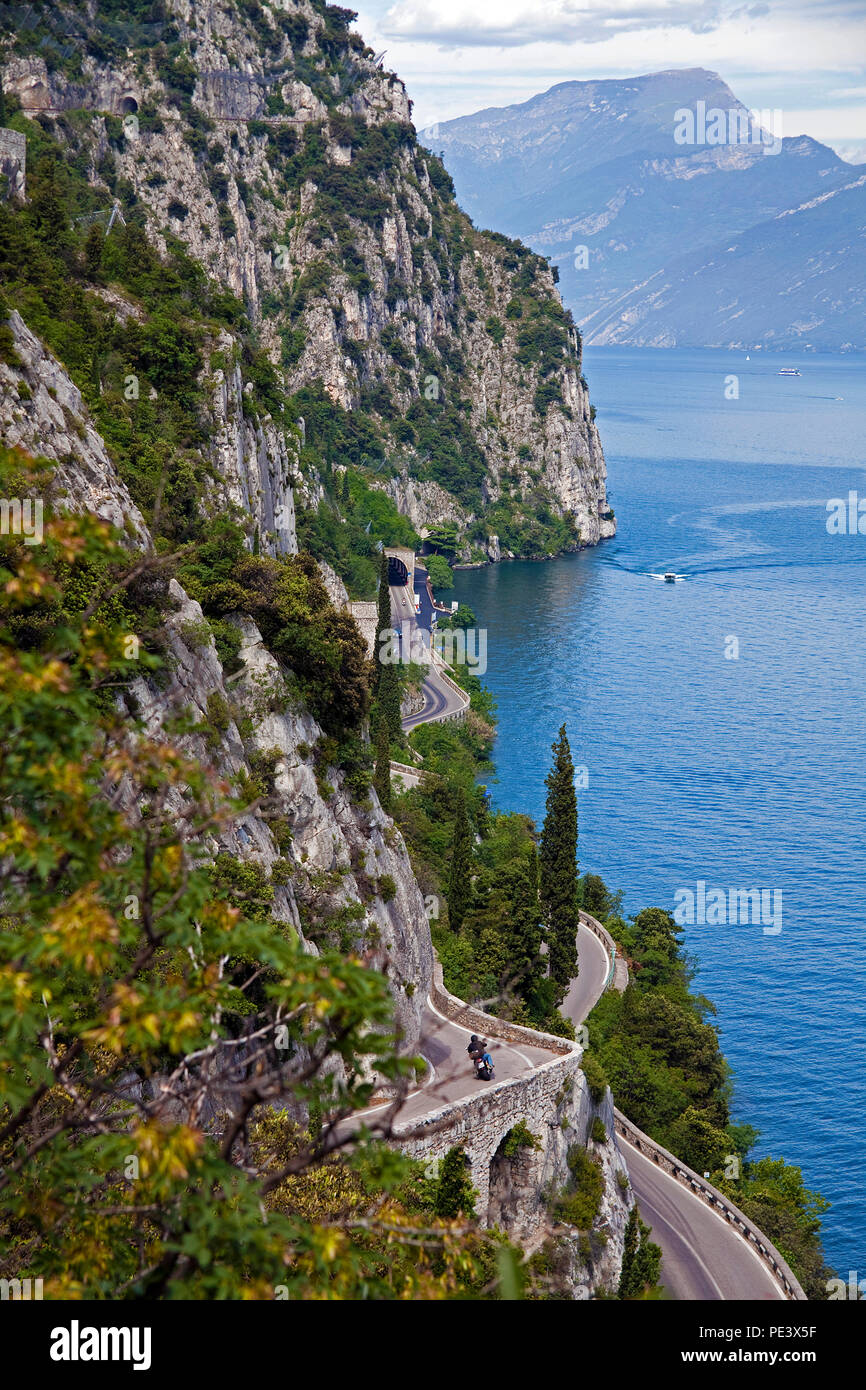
[(553, 1101), (458, 1011)]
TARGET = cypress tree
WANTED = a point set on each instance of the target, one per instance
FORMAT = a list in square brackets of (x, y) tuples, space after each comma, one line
[(389, 699), (641, 1258), (383, 620), (459, 891), (558, 867), (523, 929), (382, 774), (387, 680)]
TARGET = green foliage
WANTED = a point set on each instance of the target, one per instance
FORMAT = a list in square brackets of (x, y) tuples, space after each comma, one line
[(579, 1204), (495, 329), (598, 1131), (346, 543), (529, 525), (287, 599), (446, 440), (641, 1261), (112, 951), (462, 617), (244, 884), (455, 1196), (698, 1142), (47, 261), (773, 1195), (519, 1137), (383, 614), (218, 718), (558, 866), (596, 1076), (382, 776), (460, 866), (597, 899), (388, 699), (443, 537), (441, 576)]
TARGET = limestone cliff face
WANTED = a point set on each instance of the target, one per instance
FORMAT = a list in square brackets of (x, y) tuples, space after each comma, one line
[(335, 859), (269, 142), (337, 852)]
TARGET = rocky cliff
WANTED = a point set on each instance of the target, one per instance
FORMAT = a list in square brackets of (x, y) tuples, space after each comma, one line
[(332, 863), (326, 857), (200, 320), (269, 143)]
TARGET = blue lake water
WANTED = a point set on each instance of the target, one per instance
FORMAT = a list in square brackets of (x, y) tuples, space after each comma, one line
[(744, 771)]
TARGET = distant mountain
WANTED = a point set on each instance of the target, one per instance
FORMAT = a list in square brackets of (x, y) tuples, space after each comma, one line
[(668, 243)]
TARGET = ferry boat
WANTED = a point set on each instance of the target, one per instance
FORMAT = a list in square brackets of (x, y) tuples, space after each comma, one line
[(788, 371)]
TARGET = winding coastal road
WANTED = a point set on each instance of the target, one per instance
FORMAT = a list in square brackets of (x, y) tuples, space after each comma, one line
[(441, 700), (704, 1257)]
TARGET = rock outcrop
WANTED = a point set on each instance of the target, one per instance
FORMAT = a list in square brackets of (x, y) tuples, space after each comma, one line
[(267, 144), (270, 144)]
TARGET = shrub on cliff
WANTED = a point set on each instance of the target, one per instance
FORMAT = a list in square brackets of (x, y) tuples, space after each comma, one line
[(596, 1077), (113, 945), (578, 1205), (455, 1195), (289, 603)]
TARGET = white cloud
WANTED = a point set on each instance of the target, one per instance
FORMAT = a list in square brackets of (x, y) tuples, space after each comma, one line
[(457, 56), (853, 151), (514, 23), (827, 123)]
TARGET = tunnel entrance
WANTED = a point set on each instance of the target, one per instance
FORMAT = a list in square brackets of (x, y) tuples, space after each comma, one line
[(128, 106), (398, 572)]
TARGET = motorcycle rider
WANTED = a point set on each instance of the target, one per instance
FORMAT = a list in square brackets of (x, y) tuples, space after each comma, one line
[(477, 1050)]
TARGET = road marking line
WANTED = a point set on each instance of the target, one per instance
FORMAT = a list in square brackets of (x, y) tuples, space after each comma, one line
[(522, 1055), (601, 946), (508, 1047), (728, 1225)]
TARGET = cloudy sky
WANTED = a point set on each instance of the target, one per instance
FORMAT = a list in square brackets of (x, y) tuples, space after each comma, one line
[(805, 57)]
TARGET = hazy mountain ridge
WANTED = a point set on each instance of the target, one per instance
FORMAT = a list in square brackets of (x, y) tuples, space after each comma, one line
[(599, 168)]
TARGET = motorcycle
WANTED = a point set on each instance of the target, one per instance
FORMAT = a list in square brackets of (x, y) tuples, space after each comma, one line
[(483, 1070)]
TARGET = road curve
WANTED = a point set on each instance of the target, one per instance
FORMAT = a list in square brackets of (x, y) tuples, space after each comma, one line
[(587, 987), (703, 1257), (451, 1075), (441, 700)]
